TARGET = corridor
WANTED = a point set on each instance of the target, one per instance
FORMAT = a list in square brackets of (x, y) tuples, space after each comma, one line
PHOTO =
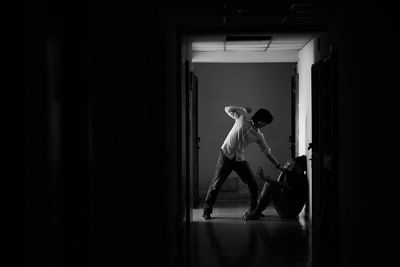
[(227, 240)]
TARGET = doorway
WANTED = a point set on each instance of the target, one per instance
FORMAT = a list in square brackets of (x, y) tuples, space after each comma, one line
[(217, 60), (205, 124), (254, 85)]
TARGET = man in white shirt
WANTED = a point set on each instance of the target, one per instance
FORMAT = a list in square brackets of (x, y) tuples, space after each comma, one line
[(244, 132)]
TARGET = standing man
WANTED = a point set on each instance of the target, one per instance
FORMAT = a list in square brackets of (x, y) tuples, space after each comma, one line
[(244, 132)]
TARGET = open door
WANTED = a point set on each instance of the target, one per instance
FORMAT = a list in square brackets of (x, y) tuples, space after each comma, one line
[(195, 139), (293, 139), (324, 180), (184, 181), (317, 211)]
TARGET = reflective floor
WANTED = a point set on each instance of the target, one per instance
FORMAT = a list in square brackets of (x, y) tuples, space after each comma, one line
[(227, 240)]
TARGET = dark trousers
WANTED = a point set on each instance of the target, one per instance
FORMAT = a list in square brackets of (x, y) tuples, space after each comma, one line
[(224, 167)]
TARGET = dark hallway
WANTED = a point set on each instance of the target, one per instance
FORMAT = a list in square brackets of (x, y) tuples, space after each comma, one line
[(107, 161)]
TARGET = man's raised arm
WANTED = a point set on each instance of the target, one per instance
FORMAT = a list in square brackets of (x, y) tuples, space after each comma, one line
[(234, 111)]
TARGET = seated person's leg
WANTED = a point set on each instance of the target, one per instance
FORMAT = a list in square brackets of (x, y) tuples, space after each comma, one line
[(267, 195)]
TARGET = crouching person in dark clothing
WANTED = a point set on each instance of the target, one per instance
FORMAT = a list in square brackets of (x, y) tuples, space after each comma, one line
[(289, 192)]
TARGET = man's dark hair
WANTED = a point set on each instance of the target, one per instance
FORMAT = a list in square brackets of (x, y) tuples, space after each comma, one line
[(262, 115)]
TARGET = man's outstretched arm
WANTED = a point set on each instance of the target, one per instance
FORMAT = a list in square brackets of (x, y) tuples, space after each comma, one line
[(275, 161), (266, 150), (234, 111)]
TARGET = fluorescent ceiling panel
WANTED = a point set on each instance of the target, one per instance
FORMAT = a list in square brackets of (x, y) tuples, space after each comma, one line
[(246, 48), (246, 45)]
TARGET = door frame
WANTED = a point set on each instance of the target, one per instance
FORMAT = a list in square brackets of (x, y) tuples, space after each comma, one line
[(183, 34), (324, 158)]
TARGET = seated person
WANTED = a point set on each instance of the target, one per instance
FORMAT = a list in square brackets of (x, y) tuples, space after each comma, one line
[(289, 192)]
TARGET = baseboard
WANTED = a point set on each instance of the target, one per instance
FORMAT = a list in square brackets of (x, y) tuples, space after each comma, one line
[(226, 196)]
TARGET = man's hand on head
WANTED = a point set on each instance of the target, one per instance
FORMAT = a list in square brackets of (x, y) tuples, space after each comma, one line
[(248, 110)]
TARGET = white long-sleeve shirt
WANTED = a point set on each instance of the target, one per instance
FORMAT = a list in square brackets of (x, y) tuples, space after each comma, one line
[(241, 135)]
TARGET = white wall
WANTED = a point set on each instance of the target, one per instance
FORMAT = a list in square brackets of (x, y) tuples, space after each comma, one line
[(306, 59)]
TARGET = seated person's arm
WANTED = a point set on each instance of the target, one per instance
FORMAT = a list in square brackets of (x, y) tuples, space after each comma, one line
[(260, 173)]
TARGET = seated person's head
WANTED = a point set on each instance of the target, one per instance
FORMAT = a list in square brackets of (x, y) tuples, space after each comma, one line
[(300, 164)]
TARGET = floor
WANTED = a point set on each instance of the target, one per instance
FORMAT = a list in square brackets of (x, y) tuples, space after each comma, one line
[(227, 240)]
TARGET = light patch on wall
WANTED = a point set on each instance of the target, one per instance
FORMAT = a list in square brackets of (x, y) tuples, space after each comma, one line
[(306, 59)]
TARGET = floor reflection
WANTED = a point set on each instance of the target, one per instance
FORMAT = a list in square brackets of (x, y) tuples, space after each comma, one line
[(227, 240)]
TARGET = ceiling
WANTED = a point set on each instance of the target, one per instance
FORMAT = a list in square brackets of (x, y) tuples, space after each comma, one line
[(277, 47)]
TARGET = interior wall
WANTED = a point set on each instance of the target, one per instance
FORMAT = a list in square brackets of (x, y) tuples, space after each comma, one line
[(172, 172), (365, 146), (94, 165), (255, 85), (90, 207)]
